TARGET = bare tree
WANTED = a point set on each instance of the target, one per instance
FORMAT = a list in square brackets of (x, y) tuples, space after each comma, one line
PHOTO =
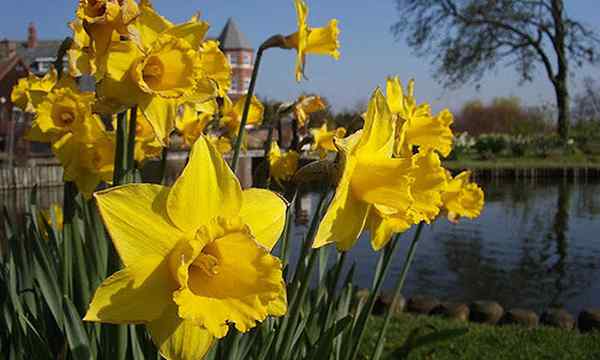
[(466, 38)]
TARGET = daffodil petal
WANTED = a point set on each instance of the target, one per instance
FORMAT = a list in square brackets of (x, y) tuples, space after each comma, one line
[(264, 212), (206, 188), (179, 339), (136, 220), (149, 25), (394, 94), (432, 132), (382, 228), (345, 218), (193, 32), (383, 181), (161, 113), (124, 296), (378, 137)]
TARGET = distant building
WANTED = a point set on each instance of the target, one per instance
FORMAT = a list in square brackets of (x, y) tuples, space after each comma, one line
[(240, 54)]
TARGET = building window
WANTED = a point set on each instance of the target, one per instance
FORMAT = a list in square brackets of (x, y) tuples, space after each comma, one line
[(247, 59), (231, 59), (246, 84), (234, 84)]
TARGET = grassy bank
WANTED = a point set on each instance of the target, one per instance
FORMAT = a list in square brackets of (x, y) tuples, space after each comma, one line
[(483, 341), (525, 163)]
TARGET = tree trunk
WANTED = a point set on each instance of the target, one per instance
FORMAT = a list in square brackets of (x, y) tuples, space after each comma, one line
[(560, 81), (563, 104)]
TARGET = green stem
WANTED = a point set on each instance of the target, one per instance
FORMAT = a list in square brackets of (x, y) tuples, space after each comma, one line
[(163, 164), (120, 156), (358, 332), (399, 285), (249, 95), (288, 331), (273, 41), (267, 148), (131, 138)]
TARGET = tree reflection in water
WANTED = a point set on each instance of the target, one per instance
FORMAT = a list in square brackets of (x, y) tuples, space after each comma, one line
[(532, 247)]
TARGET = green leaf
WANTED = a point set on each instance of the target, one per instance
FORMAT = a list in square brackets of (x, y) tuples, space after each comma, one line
[(47, 280), (76, 334)]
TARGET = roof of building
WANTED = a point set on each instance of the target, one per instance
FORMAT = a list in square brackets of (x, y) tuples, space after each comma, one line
[(43, 49), (232, 38)]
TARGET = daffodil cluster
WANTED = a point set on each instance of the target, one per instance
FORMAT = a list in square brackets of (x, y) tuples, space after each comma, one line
[(64, 118), (391, 173)]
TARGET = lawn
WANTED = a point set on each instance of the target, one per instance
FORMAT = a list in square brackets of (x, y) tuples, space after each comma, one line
[(482, 341)]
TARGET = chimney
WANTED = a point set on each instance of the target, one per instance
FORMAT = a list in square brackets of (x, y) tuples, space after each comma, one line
[(31, 36), (7, 49)]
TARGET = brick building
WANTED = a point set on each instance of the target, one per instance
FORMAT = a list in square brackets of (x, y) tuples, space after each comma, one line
[(240, 54)]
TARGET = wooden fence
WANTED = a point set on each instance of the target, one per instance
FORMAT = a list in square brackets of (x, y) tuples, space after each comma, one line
[(26, 177)]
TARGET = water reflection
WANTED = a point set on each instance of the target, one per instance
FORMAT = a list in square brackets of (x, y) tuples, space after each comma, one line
[(533, 246)]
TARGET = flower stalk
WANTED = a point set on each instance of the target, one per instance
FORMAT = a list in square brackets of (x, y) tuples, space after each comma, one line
[(397, 290), (274, 41)]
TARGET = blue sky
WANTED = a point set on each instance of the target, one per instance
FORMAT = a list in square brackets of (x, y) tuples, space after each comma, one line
[(369, 51)]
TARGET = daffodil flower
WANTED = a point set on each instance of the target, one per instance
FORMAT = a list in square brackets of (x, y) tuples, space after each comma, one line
[(45, 219), (370, 178), (305, 106), (146, 144), (86, 164), (193, 119), (31, 90), (232, 114), (429, 181), (417, 126), (221, 143), (323, 139), (462, 197), (65, 109), (307, 40), (185, 247), (105, 20), (282, 166), (81, 58)]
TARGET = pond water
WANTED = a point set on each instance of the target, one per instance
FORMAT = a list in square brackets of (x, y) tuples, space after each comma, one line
[(535, 244)]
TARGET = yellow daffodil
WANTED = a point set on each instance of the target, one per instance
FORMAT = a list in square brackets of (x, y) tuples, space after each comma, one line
[(66, 109), (232, 114), (146, 144), (216, 65), (418, 127), (429, 181), (282, 166), (86, 164), (193, 119), (31, 90), (51, 217), (307, 105), (105, 20), (319, 41), (462, 197), (80, 56), (323, 139), (190, 266), (370, 177), (221, 143), (159, 71)]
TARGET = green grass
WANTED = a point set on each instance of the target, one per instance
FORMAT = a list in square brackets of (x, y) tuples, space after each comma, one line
[(525, 163), (483, 341)]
